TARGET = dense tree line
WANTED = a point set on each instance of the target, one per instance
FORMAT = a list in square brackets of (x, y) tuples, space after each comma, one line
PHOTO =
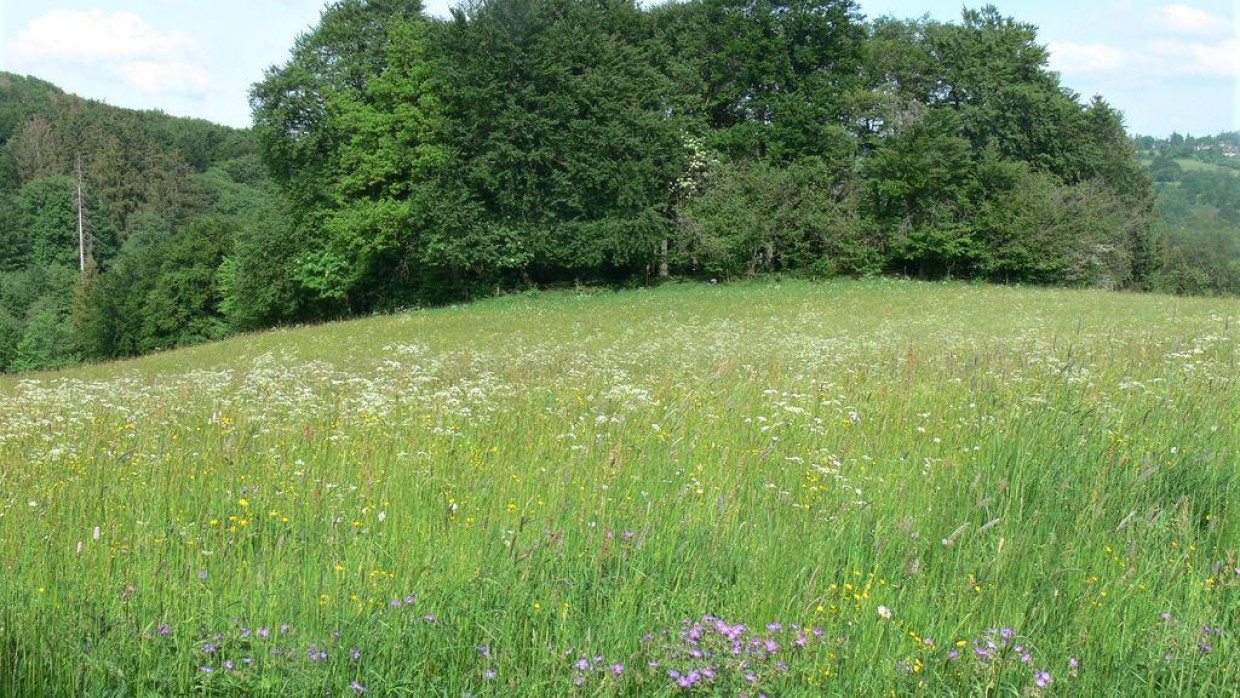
[(398, 159), (543, 141), (114, 224)]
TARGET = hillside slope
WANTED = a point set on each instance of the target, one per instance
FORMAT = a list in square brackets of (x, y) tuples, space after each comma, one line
[(852, 488)]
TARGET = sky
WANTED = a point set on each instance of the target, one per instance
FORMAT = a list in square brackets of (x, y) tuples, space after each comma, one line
[(1168, 66)]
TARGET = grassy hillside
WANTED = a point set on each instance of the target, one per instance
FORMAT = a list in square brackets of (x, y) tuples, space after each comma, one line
[(854, 488)]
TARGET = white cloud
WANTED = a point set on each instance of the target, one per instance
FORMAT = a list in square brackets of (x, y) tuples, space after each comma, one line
[(120, 46), (1188, 20), (1176, 57), (78, 36), (1071, 58), (164, 78)]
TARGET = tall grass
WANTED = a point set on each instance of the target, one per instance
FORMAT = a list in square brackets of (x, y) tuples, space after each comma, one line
[(853, 488)]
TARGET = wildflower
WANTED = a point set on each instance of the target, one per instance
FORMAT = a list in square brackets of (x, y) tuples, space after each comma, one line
[(165, 629), (355, 653), (484, 650), (263, 631), (489, 674), (357, 686), (209, 648), (884, 613), (617, 668), (206, 669), (1042, 678), (228, 664), (202, 574)]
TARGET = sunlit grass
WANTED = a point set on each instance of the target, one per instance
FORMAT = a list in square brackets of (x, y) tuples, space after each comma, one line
[(847, 488)]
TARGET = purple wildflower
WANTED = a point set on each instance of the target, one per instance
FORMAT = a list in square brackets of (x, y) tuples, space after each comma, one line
[(209, 648), (489, 674), (206, 669), (617, 668), (355, 653), (357, 686), (165, 629), (263, 631), (228, 664), (202, 574), (1042, 678)]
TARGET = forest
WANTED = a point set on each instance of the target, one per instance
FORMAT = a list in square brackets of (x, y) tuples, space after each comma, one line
[(399, 160)]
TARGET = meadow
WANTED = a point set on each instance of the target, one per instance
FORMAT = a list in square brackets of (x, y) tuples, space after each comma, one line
[(780, 489)]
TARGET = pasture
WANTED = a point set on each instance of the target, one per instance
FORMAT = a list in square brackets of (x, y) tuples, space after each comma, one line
[(848, 488)]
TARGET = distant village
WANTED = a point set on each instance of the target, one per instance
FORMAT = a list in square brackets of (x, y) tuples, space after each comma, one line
[(1220, 148)]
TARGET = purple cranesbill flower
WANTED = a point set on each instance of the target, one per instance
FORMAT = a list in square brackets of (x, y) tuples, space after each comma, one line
[(209, 648), (617, 668), (1026, 658), (228, 664), (355, 653), (1166, 616), (579, 680), (1074, 662), (284, 628), (583, 664), (1205, 647), (206, 668), (774, 626), (357, 686), (431, 617), (395, 603), (202, 574), (1006, 633), (1042, 678), (953, 655), (483, 650), (410, 599), (263, 631), (165, 629), (247, 659), (245, 632), (490, 674)]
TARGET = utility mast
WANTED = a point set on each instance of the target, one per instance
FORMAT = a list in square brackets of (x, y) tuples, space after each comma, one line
[(86, 241)]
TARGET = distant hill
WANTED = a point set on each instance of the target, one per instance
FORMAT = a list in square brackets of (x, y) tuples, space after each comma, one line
[(145, 201)]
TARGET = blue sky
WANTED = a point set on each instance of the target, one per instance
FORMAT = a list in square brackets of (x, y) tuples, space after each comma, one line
[(1169, 66)]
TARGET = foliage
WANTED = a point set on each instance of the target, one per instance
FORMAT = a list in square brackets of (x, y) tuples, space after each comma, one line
[(400, 160)]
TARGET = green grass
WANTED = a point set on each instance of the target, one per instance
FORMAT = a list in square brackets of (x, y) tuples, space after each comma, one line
[(891, 471), (1191, 165)]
